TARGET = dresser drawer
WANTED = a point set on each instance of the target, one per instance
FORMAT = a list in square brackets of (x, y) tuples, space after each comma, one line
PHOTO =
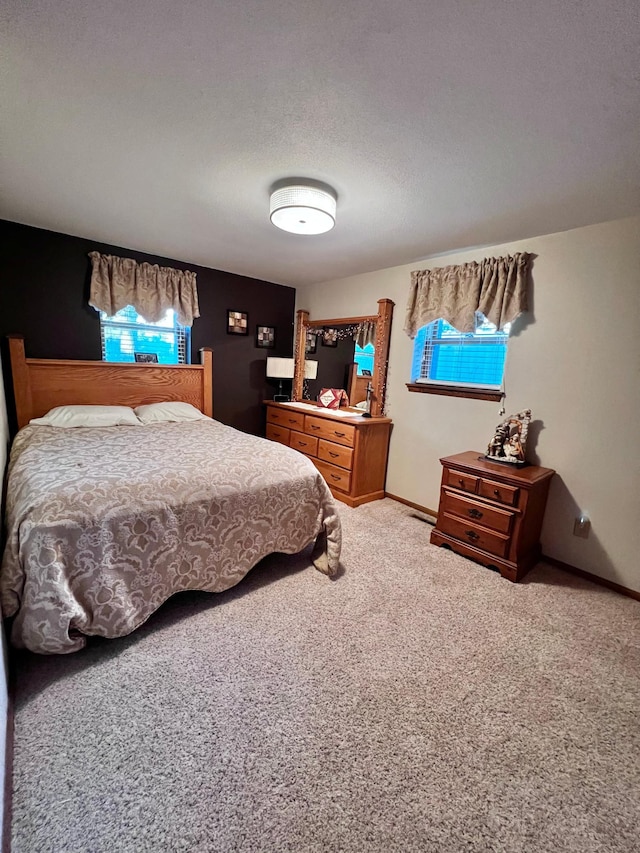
[(474, 511), (340, 433), (338, 478), (277, 433), (458, 480), (291, 420), (306, 443), (472, 534), (336, 454), (498, 492)]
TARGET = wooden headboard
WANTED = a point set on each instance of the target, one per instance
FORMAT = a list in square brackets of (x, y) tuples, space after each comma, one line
[(39, 384)]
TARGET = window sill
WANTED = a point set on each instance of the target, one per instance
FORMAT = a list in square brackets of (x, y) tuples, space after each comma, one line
[(456, 391)]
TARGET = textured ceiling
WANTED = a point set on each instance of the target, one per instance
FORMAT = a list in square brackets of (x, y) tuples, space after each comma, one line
[(442, 124)]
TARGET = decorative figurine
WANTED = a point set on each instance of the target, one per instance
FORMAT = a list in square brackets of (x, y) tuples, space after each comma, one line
[(510, 439)]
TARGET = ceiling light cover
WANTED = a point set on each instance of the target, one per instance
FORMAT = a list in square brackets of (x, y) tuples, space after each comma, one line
[(303, 210)]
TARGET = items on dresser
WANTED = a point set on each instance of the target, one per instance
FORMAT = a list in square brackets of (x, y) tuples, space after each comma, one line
[(349, 450), (492, 513)]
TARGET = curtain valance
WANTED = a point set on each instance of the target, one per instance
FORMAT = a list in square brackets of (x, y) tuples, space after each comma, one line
[(366, 333), (497, 287), (152, 290)]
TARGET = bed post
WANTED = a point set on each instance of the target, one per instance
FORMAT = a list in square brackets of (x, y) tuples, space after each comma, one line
[(21, 380), (206, 358)]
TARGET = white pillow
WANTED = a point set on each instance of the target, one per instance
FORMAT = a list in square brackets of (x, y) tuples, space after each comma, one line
[(155, 413), (88, 416)]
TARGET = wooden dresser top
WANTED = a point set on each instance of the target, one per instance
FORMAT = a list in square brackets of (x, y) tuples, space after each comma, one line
[(474, 462), (354, 417)]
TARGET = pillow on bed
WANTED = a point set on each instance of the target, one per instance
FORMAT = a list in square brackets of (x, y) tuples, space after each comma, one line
[(156, 413), (88, 416)]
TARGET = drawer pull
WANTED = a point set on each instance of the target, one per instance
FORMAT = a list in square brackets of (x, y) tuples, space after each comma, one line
[(292, 420), (475, 513), (315, 426), (334, 455), (461, 481), (339, 434), (335, 477), (496, 492), (471, 534)]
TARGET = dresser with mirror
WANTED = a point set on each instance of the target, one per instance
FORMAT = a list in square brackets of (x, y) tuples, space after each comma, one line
[(348, 445)]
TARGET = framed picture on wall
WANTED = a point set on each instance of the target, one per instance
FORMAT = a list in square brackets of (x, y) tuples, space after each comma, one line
[(265, 337), (329, 337), (237, 322), (146, 357), (311, 342)]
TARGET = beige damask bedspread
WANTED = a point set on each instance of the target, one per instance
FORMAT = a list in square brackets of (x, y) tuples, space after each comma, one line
[(105, 524)]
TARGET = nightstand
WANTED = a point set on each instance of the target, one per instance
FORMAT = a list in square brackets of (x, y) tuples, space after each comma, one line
[(492, 512)]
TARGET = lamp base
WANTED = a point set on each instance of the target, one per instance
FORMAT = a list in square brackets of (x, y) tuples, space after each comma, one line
[(281, 398)]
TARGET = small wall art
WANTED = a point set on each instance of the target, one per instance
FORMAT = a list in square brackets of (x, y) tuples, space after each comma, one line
[(146, 357), (265, 337), (237, 322), (329, 337), (311, 342)]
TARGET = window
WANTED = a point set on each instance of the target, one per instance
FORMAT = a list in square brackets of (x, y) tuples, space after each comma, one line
[(127, 333), (364, 358), (466, 361)]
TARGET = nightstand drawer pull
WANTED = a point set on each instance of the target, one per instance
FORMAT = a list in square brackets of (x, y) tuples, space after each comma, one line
[(292, 420), (496, 492), (338, 434), (333, 455), (315, 426), (475, 513), (335, 477), (471, 534)]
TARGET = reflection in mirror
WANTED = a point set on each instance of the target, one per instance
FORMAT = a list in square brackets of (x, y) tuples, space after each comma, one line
[(343, 353), (351, 353)]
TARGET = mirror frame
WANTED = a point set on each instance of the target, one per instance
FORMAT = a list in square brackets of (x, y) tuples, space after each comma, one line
[(381, 350)]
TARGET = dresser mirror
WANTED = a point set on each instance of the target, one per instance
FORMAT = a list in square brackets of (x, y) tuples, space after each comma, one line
[(332, 343)]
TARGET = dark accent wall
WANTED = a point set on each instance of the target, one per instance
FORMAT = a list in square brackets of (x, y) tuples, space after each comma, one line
[(44, 291)]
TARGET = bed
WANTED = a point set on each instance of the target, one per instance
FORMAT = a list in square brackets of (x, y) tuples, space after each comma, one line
[(104, 524)]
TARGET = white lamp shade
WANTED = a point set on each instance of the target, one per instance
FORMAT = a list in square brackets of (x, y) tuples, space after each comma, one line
[(310, 369), (280, 368), (303, 210)]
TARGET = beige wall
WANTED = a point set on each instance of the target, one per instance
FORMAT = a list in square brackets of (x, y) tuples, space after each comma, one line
[(574, 360)]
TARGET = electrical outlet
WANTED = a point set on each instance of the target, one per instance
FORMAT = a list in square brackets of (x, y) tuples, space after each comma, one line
[(581, 526)]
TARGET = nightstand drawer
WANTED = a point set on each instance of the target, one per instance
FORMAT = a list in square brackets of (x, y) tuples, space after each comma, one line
[(277, 433), (472, 534), (338, 478), (305, 443), (474, 511), (458, 480), (340, 433), (291, 420), (335, 453), (498, 492)]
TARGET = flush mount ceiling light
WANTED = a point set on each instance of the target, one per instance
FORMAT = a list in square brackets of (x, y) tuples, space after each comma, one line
[(303, 208)]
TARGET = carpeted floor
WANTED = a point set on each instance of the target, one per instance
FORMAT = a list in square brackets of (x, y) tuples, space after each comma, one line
[(417, 703)]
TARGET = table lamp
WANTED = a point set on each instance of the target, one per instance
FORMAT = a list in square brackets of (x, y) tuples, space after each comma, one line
[(280, 368)]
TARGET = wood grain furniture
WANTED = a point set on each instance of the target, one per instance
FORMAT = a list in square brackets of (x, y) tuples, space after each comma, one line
[(350, 452), (39, 384), (492, 513), (105, 523), (382, 323)]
